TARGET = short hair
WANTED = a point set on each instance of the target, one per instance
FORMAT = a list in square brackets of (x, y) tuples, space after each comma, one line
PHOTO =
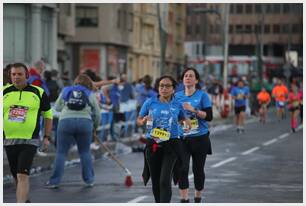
[(22, 65), (197, 75), (84, 80), (39, 64)]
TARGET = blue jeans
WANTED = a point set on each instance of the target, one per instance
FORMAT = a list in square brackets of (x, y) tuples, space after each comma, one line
[(71, 130)]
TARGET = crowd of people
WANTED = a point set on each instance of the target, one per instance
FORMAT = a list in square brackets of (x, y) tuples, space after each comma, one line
[(173, 116)]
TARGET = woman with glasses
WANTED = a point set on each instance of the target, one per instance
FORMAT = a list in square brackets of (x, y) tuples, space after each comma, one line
[(196, 142), (161, 115)]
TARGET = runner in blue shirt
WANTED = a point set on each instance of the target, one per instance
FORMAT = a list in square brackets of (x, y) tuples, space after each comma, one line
[(196, 142), (240, 94), (161, 115)]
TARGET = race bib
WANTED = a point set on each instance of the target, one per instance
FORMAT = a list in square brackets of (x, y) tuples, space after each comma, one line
[(160, 134), (240, 96), (18, 113), (194, 124), (296, 103)]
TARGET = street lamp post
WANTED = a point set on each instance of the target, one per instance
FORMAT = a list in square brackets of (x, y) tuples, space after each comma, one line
[(225, 44)]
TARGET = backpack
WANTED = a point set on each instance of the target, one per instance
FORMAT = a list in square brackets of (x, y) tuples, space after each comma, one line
[(77, 100)]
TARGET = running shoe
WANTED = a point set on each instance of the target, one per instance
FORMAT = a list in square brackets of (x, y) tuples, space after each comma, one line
[(51, 186)]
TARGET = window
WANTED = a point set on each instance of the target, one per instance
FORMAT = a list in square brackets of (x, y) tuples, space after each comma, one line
[(286, 8), (296, 28), (239, 8), (258, 29), (197, 49), (249, 8), (258, 8), (285, 28), (276, 8), (239, 29), (130, 21), (86, 16), (276, 28), (267, 28), (197, 29), (268, 8), (248, 29), (231, 29), (189, 29), (203, 49), (16, 36), (46, 26), (232, 9), (211, 28), (297, 8)]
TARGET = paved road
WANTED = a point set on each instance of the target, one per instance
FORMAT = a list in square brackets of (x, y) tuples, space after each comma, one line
[(265, 164)]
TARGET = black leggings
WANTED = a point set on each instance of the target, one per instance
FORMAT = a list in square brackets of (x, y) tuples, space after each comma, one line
[(161, 163), (197, 148)]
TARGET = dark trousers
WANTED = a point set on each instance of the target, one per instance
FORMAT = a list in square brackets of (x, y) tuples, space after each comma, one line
[(196, 148), (20, 158), (161, 163)]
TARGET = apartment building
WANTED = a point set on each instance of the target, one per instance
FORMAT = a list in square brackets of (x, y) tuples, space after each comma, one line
[(102, 38), (144, 54), (277, 26)]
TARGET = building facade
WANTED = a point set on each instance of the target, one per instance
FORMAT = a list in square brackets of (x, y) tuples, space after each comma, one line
[(271, 28), (102, 38), (144, 54), (30, 33)]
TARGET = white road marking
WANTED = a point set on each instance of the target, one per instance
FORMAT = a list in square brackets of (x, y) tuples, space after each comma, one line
[(270, 142), (299, 127), (250, 151), (224, 162), (138, 199), (283, 136)]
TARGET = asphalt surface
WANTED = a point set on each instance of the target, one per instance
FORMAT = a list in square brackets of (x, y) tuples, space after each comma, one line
[(262, 165)]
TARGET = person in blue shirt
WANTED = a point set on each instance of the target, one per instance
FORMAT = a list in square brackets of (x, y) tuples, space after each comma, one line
[(196, 142), (240, 94), (161, 115)]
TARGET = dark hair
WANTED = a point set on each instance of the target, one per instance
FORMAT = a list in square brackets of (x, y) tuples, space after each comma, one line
[(165, 77), (6, 74), (18, 65), (147, 80), (240, 80), (92, 75), (197, 75), (47, 75)]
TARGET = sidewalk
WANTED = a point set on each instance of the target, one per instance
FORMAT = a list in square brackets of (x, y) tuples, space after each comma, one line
[(45, 163)]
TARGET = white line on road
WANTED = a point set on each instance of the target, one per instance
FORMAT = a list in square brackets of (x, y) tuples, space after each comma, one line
[(299, 127), (250, 151), (269, 142), (138, 199), (283, 136), (224, 162)]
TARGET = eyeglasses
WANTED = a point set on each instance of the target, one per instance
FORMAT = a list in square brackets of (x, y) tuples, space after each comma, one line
[(167, 86)]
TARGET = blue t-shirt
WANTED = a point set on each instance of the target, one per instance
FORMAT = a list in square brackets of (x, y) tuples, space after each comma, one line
[(165, 115), (143, 94), (198, 100), (240, 93)]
